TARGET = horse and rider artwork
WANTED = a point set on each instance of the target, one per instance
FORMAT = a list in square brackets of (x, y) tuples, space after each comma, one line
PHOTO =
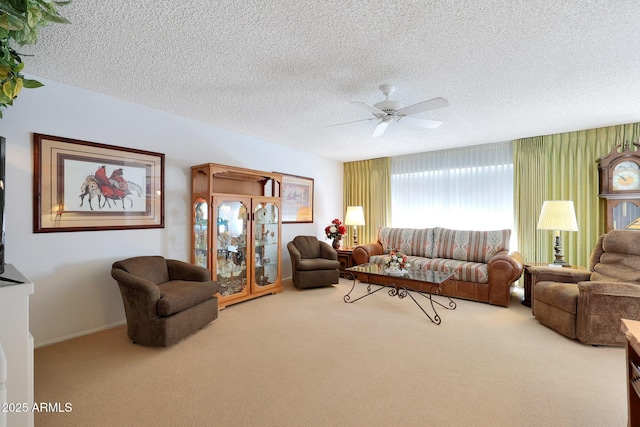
[(112, 187)]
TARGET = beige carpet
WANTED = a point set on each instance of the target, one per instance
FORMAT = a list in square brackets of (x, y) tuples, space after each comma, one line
[(305, 358)]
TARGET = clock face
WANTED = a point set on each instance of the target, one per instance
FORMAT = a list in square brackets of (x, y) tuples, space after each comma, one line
[(626, 176)]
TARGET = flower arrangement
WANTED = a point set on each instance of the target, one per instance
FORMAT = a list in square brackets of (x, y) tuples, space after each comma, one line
[(335, 230), (397, 260)]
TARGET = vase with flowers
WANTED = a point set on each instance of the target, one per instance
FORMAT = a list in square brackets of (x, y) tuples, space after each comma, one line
[(397, 263), (335, 231)]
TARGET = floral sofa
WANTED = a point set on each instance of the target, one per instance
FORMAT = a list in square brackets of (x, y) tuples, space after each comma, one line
[(480, 261)]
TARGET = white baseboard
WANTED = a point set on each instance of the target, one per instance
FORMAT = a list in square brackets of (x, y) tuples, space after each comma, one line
[(80, 334)]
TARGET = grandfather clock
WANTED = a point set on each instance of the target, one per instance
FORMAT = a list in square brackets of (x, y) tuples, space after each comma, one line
[(620, 186)]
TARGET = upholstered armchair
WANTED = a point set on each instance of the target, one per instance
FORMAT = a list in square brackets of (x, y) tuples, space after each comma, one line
[(164, 300), (588, 305), (313, 263)]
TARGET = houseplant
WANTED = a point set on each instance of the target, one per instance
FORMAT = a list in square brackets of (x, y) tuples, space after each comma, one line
[(20, 21)]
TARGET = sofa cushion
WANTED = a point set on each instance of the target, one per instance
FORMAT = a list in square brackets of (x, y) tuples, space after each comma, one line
[(178, 295), (466, 245), (619, 257), (563, 296), (622, 241), (308, 246), (409, 241), (152, 268), (317, 264), (461, 270)]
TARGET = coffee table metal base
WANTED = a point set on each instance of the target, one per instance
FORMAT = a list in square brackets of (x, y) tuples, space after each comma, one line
[(402, 292)]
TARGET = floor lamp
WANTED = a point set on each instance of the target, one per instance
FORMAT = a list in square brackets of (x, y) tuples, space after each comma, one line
[(355, 217), (558, 215)]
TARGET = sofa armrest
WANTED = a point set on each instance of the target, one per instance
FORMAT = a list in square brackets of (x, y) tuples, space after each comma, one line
[(138, 295), (327, 251), (617, 289), (180, 270), (362, 253), (294, 253), (601, 305), (545, 273), (504, 268)]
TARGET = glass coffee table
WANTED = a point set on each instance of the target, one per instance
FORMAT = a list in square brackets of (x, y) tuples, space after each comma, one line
[(426, 283)]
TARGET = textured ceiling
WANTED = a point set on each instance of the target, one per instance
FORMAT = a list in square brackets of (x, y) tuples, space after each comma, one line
[(284, 70)]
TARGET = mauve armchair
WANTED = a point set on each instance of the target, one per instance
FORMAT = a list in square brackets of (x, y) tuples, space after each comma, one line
[(313, 263), (164, 300), (588, 305)]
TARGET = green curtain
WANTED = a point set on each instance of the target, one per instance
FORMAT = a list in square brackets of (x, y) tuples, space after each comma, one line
[(563, 167), (367, 183)]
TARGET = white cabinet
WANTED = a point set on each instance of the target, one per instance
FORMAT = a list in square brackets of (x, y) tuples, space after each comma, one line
[(17, 343), (3, 386)]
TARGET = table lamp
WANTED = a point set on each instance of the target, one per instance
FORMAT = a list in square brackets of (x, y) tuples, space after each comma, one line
[(558, 215), (355, 217)]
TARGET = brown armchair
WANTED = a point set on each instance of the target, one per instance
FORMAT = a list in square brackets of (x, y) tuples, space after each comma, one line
[(313, 263), (588, 305), (164, 300)]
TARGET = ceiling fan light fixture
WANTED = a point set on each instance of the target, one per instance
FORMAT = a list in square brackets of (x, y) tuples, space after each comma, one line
[(389, 107)]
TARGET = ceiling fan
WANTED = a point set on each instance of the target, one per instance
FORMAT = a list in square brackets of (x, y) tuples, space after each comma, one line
[(389, 111)]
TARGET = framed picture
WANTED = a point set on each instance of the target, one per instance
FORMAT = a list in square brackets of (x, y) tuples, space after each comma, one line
[(297, 199), (86, 186)]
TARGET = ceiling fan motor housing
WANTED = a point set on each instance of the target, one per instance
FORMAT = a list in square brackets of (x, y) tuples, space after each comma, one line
[(389, 107)]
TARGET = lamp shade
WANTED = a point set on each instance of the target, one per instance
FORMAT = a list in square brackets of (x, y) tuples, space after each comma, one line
[(558, 215), (355, 216)]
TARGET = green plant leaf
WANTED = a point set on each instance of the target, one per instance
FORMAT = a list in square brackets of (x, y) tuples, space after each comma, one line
[(20, 21), (31, 84), (12, 88), (55, 18), (48, 9), (10, 22)]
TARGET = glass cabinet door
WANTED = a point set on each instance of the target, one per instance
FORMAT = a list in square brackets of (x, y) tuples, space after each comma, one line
[(231, 246), (266, 227), (201, 235), (625, 215)]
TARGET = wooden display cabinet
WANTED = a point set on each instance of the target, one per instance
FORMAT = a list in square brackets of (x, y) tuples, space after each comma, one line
[(236, 230)]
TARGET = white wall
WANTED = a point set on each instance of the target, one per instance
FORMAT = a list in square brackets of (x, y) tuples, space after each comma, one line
[(74, 291)]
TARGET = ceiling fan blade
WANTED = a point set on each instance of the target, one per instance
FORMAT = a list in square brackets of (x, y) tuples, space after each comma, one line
[(378, 113), (380, 128), (419, 121), (431, 104), (355, 121)]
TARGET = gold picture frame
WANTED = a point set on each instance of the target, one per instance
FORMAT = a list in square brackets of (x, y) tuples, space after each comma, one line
[(87, 186), (297, 199)]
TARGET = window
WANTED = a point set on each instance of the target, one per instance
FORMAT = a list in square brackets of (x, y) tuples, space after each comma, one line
[(468, 188)]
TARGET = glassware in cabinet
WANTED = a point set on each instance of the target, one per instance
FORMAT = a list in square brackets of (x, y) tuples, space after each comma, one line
[(231, 245), (201, 233)]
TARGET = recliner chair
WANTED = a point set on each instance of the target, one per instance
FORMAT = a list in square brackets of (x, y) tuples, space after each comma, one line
[(589, 305), (164, 300), (313, 263)]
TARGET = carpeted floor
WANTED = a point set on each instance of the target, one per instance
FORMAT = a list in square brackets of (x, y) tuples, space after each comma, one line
[(305, 358)]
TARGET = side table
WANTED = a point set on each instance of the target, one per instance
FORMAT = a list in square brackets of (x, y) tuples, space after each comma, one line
[(529, 273), (345, 256)]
